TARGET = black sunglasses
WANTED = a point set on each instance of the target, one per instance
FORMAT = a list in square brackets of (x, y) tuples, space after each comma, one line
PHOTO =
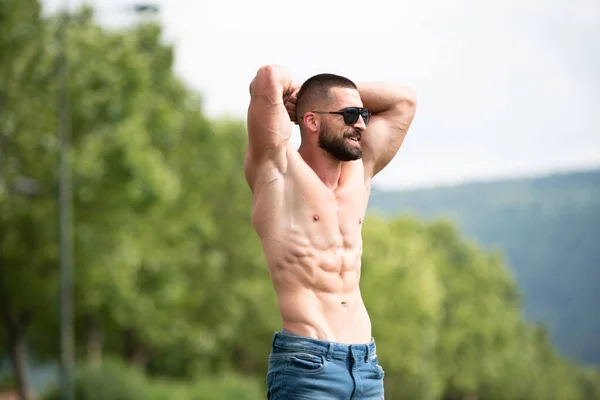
[(351, 114)]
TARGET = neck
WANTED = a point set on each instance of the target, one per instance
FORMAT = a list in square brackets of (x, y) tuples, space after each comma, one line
[(327, 168)]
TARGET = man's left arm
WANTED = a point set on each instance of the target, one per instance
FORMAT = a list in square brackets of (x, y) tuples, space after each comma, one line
[(393, 108)]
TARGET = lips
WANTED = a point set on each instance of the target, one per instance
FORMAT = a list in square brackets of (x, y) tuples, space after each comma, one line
[(354, 137)]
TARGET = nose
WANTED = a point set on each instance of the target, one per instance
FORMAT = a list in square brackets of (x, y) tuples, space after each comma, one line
[(360, 124)]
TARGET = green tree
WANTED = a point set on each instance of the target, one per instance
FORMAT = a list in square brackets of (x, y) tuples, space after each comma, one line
[(481, 311), (27, 235), (404, 296), (139, 218), (129, 116)]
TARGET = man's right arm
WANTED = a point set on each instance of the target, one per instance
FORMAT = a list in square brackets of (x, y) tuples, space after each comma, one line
[(269, 124)]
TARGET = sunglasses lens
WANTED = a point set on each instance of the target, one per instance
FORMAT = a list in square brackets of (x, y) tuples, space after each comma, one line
[(365, 116), (350, 116)]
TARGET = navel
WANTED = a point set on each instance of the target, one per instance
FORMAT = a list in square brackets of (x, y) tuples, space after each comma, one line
[(316, 217), (344, 304)]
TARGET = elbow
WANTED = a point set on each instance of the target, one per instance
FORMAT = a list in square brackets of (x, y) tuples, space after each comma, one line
[(268, 78), (269, 71), (409, 96), (408, 100), (404, 102)]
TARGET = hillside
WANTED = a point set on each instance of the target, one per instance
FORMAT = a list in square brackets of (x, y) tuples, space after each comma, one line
[(547, 229)]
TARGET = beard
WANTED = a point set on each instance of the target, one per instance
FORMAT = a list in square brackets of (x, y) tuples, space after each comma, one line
[(338, 146)]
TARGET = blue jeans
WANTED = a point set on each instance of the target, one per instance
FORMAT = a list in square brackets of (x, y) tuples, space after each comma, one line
[(311, 369)]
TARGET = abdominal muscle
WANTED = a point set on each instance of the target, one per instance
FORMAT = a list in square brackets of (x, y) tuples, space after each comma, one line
[(314, 260)]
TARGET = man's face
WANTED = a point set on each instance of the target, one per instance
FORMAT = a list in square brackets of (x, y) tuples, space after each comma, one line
[(336, 137)]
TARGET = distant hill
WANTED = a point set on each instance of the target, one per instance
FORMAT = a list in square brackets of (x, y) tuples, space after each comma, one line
[(549, 231)]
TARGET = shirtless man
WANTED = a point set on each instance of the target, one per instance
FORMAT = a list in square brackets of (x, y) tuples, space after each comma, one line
[(308, 210)]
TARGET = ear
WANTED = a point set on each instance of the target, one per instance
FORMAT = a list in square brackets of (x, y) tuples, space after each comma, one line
[(311, 122)]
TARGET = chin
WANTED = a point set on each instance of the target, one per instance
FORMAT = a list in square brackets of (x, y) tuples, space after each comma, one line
[(347, 157)]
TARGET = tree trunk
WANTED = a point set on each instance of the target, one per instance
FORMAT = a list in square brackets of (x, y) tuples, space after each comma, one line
[(139, 358), (18, 352), (17, 347), (93, 342), (133, 351)]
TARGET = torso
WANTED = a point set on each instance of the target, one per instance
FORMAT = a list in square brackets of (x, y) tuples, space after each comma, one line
[(312, 242)]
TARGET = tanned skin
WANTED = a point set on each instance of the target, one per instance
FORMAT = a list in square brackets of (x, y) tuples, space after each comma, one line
[(308, 207)]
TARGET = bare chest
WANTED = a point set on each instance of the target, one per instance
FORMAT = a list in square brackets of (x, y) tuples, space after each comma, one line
[(325, 218)]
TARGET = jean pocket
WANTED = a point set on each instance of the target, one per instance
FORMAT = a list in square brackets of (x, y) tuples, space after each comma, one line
[(374, 363), (305, 363)]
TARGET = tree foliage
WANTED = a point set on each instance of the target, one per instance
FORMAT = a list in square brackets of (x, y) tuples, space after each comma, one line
[(546, 229)]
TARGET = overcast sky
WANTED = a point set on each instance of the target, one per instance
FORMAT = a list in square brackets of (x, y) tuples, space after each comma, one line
[(506, 87)]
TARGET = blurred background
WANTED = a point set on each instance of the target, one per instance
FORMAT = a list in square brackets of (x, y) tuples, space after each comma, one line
[(128, 265)]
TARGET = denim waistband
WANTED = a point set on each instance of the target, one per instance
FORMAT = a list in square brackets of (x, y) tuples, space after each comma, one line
[(287, 341)]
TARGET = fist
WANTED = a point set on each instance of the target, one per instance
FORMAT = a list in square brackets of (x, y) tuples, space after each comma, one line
[(290, 102)]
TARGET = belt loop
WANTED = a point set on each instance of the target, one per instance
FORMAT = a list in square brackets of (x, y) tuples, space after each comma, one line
[(367, 353), (329, 351)]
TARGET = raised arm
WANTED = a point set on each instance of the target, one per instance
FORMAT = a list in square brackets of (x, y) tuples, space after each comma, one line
[(269, 124), (393, 108)]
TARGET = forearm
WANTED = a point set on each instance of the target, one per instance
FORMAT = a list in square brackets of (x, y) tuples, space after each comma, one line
[(393, 108), (379, 97)]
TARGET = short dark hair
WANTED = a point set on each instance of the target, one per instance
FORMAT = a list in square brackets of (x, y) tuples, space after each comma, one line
[(316, 89)]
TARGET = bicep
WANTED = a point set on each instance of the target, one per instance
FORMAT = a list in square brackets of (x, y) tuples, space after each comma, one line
[(269, 130)]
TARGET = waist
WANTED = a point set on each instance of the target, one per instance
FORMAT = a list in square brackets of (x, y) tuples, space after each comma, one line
[(285, 341), (325, 316)]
